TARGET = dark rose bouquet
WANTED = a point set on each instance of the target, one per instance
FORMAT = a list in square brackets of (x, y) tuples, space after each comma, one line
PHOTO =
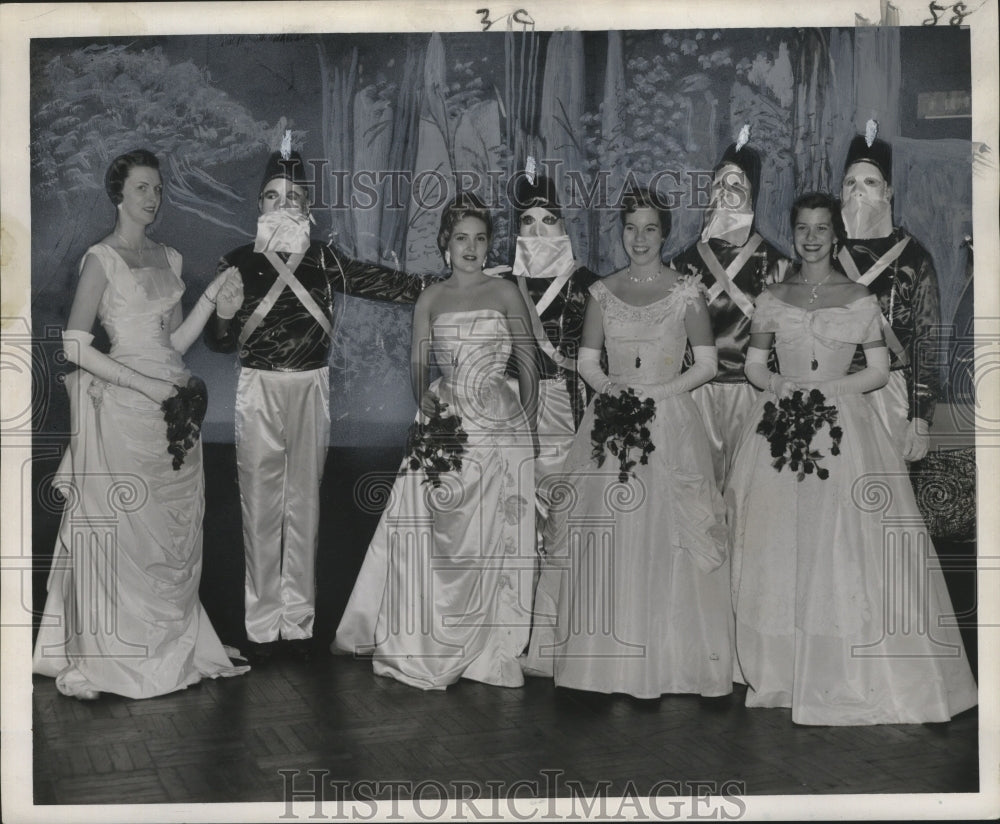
[(436, 446), (184, 412), (789, 426), (619, 427)]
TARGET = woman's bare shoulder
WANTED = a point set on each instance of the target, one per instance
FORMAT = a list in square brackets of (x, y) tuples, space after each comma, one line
[(779, 290), (502, 286), (614, 282), (429, 296)]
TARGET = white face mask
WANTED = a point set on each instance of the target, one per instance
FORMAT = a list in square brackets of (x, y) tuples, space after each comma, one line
[(543, 257), (866, 217), (732, 227), (283, 230), (730, 212), (866, 203)]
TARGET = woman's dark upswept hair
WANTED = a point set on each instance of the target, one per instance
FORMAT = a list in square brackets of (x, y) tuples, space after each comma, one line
[(642, 198), (463, 206), (820, 200), (114, 177)]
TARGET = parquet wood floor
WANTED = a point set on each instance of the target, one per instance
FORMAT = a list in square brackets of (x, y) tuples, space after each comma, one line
[(229, 740)]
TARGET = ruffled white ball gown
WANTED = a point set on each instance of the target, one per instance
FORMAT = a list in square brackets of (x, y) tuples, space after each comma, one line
[(644, 605), (842, 612), (445, 588), (122, 613)]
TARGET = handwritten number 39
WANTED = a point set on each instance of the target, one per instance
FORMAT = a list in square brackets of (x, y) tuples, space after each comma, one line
[(521, 17)]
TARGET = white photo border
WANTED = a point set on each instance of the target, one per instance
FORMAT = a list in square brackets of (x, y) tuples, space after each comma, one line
[(20, 23)]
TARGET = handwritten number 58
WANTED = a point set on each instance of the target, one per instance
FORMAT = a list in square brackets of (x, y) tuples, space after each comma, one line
[(960, 12)]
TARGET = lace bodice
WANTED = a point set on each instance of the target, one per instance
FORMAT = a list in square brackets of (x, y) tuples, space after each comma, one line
[(829, 335), (646, 343)]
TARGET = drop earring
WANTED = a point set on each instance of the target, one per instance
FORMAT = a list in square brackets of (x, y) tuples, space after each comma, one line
[(447, 258)]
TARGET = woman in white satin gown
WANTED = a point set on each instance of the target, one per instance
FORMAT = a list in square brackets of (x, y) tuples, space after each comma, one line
[(842, 612), (445, 588), (122, 613), (644, 603)]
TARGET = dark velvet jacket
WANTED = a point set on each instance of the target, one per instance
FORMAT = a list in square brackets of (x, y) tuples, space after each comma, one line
[(563, 322), (289, 339), (730, 326), (907, 291)]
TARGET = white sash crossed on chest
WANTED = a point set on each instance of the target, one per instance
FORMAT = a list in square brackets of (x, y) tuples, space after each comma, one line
[(535, 311), (286, 278), (724, 277), (876, 269)]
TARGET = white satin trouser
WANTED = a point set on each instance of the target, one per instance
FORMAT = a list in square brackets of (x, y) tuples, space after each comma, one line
[(282, 432), (892, 407), (555, 436), (724, 408), (556, 433)]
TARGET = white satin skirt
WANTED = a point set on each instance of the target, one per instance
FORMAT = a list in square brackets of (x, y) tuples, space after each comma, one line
[(122, 613), (444, 591), (644, 605), (842, 611)]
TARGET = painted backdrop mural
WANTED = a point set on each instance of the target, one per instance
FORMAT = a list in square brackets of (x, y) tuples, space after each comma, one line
[(392, 123)]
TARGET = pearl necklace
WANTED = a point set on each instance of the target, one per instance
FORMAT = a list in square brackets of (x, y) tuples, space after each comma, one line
[(648, 279), (815, 286)]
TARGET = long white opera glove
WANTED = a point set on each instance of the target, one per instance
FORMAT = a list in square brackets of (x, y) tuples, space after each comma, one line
[(78, 347), (874, 375), (229, 298), (189, 330), (756, 369), (704, 368), (916, 440), (588, 366)]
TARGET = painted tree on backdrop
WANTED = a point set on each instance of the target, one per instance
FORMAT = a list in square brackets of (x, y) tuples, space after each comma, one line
[(673, 116), (92, 104), (101, 101)]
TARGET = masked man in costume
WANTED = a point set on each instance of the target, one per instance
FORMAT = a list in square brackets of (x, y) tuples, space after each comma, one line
[(556, 286), (900, 273), (735, 264), (283, 333)]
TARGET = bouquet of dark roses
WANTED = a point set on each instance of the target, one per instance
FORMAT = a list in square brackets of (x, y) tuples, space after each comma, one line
[(789, 426), (619, 427), (184, 412), (436, 446)]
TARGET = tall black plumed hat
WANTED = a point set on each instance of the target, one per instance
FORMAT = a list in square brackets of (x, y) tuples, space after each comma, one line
[(877, 152), (290, 168), (531, 192), (749, 161)]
